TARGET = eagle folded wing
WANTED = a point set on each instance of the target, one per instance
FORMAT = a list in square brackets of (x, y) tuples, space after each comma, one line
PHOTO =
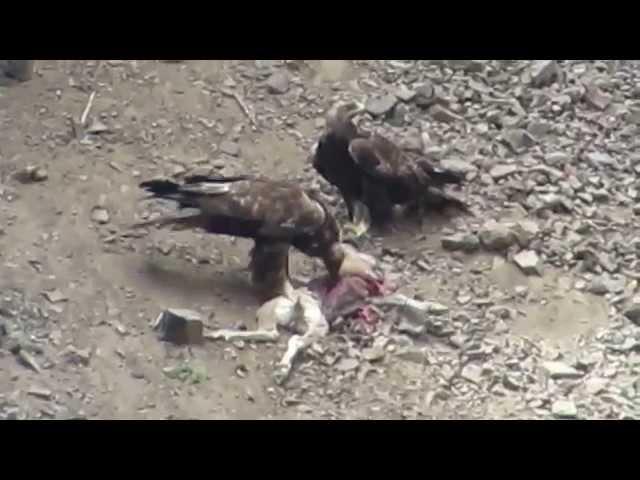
[(245, 206), (377, 157)]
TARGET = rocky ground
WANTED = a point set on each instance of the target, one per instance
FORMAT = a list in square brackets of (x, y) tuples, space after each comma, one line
[(534, 312)]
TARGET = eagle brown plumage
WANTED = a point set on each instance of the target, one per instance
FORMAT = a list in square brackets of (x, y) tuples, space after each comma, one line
[(373, 174), (276, 215)]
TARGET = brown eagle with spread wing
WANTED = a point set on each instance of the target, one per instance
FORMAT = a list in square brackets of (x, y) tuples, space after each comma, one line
[(276, 215), (373, 174)]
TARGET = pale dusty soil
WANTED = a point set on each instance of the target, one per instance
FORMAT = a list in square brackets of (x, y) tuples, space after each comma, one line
[(116, 286)]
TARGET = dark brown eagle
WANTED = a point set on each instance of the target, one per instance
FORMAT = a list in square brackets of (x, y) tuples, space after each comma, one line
[(373, 174), (276, 215)]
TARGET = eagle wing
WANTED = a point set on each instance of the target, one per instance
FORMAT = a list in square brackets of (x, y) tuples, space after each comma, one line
[(244, 206), (381, 158), (378, 157)]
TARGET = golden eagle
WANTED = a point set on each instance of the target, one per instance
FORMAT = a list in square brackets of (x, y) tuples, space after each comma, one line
[(373, 174), (276, 215)]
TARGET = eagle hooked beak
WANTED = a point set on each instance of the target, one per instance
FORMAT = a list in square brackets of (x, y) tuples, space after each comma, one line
[(343, 260), (356, 263), (344, 111), (353, 108)]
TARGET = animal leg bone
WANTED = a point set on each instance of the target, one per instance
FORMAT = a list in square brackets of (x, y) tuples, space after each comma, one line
[(278, 312), (229, 335), (317, 328)]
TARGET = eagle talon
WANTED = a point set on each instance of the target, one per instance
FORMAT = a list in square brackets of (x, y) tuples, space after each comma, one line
[(361, 223), (355, 231)]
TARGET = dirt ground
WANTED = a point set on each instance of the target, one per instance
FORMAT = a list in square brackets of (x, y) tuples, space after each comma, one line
[(167, 119)]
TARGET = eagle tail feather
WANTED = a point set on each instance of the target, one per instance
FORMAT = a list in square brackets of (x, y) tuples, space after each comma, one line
[(214, 179), (440, 175), (442, 200), (178, 223), (186, 195)]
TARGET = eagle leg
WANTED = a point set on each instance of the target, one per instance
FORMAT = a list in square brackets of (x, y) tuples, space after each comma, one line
[(379, 204), (270, 270), (359, 217), (360, 221), (417, 210)]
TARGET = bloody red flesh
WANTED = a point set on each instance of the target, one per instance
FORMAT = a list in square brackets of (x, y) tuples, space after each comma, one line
[(348, 297)]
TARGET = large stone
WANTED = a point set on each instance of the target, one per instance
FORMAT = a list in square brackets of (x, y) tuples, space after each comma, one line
[(607, 284), (77, 356), (633, 313), (564, 409), (425, 95), (543, 73), (597, 159), (21, 70), (496, 236), (633, 115), (405, 94), (458, 165), (398, 118), (596, 385), (265, 64), (378, 106), (558, 159), (31, 174), (100, 215), (40, 392), (469, 66), (373, 354), (599, 194), (550, 201), (55, 296), (278, 83), (410, 328), (539, 128), (230, 148), (472, 373), (559, 370), (347, 364), (596, 98), (180, 326), (466, 242), (501, 171), (529, 262), (413, 354), (444, 115), (525, 232), (519, 139)]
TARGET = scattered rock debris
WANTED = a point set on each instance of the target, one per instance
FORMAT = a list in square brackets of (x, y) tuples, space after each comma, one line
[(32, 174), (526, 309)]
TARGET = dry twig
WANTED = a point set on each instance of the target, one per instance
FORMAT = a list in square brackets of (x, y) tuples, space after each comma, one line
[(243, 106), (87, 109)]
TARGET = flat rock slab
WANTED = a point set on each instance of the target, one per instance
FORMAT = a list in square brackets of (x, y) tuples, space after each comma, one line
[(180, 326), (378, 106), (559, 370), (529, 262), (496, 236), (564, 409)]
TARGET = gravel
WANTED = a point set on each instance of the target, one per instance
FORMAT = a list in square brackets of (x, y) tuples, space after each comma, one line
[(520, 322)]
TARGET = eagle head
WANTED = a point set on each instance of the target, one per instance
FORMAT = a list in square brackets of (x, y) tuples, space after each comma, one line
[(352, 282), (342, 112), (343, 260)]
